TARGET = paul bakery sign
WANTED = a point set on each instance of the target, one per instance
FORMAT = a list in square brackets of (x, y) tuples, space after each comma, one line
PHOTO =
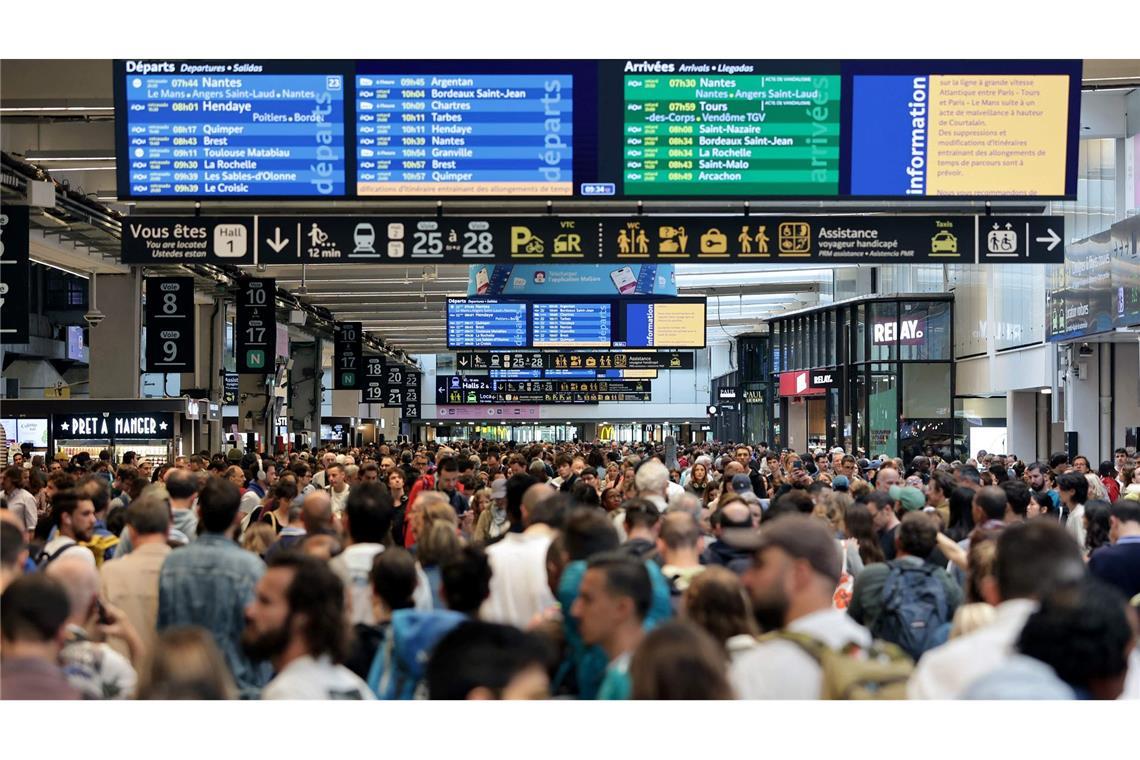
[(119, 426), (805, 383)]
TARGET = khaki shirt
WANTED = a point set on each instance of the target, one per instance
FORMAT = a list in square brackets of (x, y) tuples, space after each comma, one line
[(131, 584)]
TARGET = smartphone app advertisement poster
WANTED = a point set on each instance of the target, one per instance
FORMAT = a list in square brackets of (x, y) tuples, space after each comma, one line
[(572, 279)]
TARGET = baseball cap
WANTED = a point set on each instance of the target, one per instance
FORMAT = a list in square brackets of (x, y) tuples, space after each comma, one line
[(840, 483), (911, 498), (802, 537), (499, 489), (741, 483)]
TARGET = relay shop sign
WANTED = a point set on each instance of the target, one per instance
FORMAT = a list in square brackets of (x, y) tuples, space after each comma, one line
[(793, 240), (14, 274), (170, 324), (905, 332), (804, 383), (119, 426)]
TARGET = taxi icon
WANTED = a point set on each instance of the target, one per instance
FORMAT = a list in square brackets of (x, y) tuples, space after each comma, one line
[(944, 242)]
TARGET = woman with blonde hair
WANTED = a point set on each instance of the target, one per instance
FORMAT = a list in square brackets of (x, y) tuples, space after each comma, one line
[(258, 538), (436, 530), (186, 664)]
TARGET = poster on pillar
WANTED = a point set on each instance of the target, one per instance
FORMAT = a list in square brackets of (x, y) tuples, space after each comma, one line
[(256, 326), (374, 372), (170, 335), (348, 356), (14, 274), (571, 279), (394, 386)]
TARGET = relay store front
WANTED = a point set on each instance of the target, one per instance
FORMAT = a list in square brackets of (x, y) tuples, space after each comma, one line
[(871, 373)]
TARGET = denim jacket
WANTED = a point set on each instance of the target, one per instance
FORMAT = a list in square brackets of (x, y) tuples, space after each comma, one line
[(208, 583)]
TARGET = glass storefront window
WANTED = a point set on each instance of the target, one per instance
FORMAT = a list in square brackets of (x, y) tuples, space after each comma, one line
[(932, 321), (883, 414), (926, 391), (885, 335)]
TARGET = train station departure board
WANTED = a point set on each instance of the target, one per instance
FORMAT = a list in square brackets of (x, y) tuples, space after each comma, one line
[(595, 129)]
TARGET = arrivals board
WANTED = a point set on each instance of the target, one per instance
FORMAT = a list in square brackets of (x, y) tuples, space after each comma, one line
[(632, 128), (195, 129)]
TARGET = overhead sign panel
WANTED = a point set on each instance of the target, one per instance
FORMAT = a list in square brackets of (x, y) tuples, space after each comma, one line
[(630, 361), (118, 426), (245, 129), (170, 324), (256, 326), (374, 372), (348, 356), (14, 321), (622, 241)]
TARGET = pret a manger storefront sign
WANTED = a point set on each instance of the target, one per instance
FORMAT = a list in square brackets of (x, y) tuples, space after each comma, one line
[(114, 426)]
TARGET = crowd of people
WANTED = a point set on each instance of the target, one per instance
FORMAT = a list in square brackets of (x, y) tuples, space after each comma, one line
[(583, 570)]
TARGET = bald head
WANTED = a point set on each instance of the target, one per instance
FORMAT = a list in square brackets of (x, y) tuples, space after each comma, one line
[(81, 581), (532, 497), (316, 512), (733, 468), (736, 514), (989, 504)]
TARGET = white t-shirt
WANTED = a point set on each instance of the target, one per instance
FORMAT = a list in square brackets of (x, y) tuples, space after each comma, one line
[(781, 669), (308, 678), (23, 505), (338, 499), (353, 566), (74, 550), (519, 588)]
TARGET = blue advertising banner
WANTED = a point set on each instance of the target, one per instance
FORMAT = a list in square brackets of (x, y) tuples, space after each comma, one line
[(572, 279)]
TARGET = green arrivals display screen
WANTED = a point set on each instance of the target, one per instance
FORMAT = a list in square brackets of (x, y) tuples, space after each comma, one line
[(731, 135)]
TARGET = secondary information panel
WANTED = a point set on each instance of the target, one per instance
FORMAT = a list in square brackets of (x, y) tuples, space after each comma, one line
[(464, 134), (224, 130), (723, 135), (569, 325), (486, 324)]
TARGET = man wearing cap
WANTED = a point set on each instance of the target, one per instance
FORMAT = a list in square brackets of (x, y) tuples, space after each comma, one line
[(792, 580), (841, 484), (906, 498)]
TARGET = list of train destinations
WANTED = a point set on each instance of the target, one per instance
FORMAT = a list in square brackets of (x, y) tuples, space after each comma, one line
[(570, 325), (465, 135), (486, 324), (225, 129), (699, 132)]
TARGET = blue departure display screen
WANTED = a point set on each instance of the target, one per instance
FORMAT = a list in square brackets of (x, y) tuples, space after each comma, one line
[(486, 324), (464, 134), (233, 130), (571, 325)]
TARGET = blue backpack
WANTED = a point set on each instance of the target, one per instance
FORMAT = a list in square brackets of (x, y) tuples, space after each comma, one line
[(401, 660), (916, 612)]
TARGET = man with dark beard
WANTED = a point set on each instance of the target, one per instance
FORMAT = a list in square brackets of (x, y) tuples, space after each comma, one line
[(296, 621), (794, 572)]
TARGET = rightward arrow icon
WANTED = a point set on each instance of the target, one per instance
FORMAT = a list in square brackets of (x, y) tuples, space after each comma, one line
[(1053, 239), (277, 243)]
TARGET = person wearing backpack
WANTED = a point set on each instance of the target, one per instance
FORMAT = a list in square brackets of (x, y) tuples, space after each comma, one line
[(908, 601), (813, 651), (74, 516)]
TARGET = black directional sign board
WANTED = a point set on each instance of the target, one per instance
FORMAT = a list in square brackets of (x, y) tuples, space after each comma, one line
[(14, 244), (411, 408), (791, 240), (188, 240), (170, 324), (642, 360), (231, 383), (373, 380), (457, 389), (394, 382), (348, 356), (256, 326)]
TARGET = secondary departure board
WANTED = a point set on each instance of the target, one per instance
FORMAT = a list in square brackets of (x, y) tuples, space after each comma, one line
[(741, 134), (572, 325), (232, 130), (465, 134)]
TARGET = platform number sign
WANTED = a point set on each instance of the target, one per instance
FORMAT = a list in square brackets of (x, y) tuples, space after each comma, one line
[(348, 355), (374, 372), (170, 324), (411, 406), (394, 386), (256, 337), (14, 267)]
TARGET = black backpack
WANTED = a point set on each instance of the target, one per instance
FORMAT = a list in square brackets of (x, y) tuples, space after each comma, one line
[(916, 612), (43, 559)]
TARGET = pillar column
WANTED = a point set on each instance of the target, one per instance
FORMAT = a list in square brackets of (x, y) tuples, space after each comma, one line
[(115, 343)]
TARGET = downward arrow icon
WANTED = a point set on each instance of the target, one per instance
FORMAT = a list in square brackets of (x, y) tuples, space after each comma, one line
[(1053, 239), (277, 243)]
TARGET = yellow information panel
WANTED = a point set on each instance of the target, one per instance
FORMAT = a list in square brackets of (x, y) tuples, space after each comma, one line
[(997, 135), (679, 324)]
